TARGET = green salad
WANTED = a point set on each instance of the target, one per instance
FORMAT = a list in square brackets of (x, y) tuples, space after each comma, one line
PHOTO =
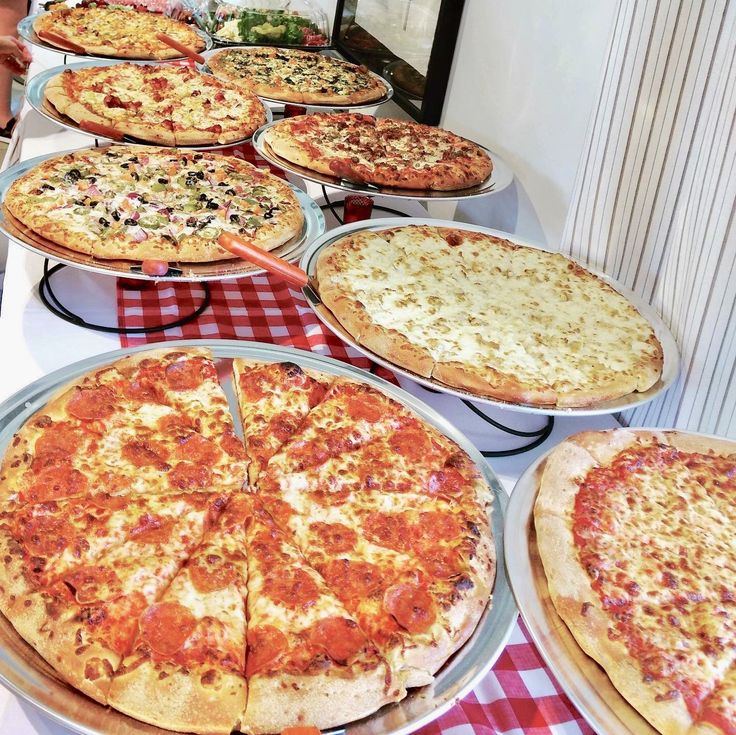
[(268, 27)]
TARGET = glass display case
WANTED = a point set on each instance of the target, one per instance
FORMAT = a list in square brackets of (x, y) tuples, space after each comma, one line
[(293, 23), (409, 42)]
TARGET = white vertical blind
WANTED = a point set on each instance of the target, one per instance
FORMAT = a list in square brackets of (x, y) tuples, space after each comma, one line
[(654, 198)]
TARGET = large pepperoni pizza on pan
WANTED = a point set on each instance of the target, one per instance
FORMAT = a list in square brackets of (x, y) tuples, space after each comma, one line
[(635, 530), (306, 577)]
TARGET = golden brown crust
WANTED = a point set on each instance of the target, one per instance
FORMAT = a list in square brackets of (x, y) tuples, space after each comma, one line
[(321, 700), (179, 700)]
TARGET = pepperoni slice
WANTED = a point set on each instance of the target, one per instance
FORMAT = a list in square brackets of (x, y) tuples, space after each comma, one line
[(365, 408), (391, 530), (284, 425), (254, 386), (116, 622), (441, 563), (210, 572), (411, 606), (43, 534), (93, 583), (188, 476), (146, 389), (146, 454), (59, 481), (166, 626), (334, 538), (196, 448), (352, 579), (232, 446), (446, 482), (152, 529), (266, 645), (187, 374), (411, 443), (293, 588), (176, 424), (281, 511), (61, 439), (436, 526), (340, 637), (91, 404)]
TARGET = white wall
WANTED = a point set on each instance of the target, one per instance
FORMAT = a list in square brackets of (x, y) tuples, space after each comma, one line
[(523, 82)]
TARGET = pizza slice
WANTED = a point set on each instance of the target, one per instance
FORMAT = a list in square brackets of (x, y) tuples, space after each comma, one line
[(308, 659), (187, 667), (273, 399), (417, 603), (349, 416), (85, 622), (154, 422)]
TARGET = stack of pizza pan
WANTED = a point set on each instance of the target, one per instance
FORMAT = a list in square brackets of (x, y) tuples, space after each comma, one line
[(325, 565)]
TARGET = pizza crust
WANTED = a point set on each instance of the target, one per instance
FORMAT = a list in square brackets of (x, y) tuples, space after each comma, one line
[(322, 701), (179, 701)]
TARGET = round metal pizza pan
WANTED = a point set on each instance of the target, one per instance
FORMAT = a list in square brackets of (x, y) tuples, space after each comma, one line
[(583, 680), (27, 675), (387, 95), (500, 177), (670, 368), (26, 32), (314, 225), (36, 96)]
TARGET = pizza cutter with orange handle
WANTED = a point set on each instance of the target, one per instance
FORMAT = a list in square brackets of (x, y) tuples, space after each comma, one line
[(278, 266), (180, 47)]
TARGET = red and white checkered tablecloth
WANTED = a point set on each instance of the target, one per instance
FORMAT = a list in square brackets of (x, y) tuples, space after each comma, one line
[(519, 696)]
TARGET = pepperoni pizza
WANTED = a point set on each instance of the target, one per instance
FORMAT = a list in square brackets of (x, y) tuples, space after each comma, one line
[(635, 531), (143, 567)]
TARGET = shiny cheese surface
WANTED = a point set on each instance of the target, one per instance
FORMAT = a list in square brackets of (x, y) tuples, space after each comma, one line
[(488, 303)]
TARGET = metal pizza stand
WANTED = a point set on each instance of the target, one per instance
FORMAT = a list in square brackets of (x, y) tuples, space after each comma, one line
[(24, 672)]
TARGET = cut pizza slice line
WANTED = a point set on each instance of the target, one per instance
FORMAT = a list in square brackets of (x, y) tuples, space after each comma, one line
[(350, 415), (85, 623), (418, 611), (43, 542), (158, 422), (308, 660), (186, 670), (274, 399)]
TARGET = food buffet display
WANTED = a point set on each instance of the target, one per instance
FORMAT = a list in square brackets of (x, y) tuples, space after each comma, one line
[(236, 536)]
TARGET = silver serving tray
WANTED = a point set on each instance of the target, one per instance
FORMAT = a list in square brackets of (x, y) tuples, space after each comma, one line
[(26, 674), (584, 681), (670, 367), (222, 270), (387, 95), (500, 177), (35, 94), (26, 32)]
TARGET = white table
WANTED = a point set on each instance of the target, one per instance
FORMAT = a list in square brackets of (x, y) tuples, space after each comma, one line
[(37, 342)]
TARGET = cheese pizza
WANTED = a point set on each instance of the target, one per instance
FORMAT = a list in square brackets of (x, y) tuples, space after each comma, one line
[(138, 203), (635, 531), (292, 75), (153, 575), (166, 104), (119, 32), (380, 151), (477, 312)]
